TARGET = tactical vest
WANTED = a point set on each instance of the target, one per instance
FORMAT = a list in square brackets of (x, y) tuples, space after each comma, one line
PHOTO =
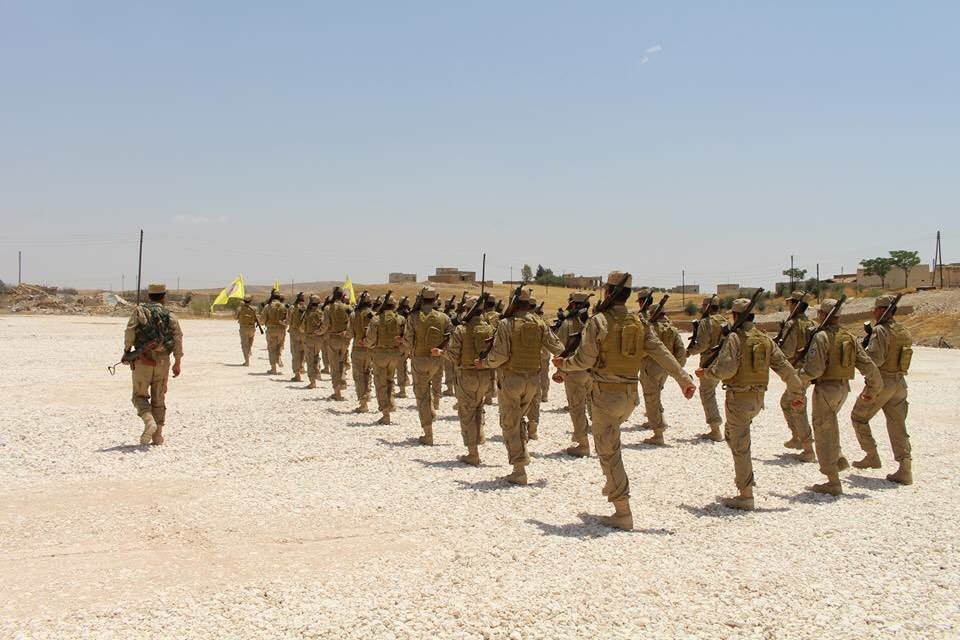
[(296, 319), (526, 339), (388, 329), (339, 317), (156, 329), (360, 322), (621, 352), (755, 352), (667, 333), (312, 321), (801, 326), (841, 355), (429, 333), (247, 316), (475, 335), (492, 317), (276, 314), (899, 351)]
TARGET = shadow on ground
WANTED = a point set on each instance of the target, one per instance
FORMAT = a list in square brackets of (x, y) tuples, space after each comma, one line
[(589, 527)]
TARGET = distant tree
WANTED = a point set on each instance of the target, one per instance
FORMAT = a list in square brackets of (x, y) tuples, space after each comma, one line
[(691, 309), (540, 271), (879, 267), (905, 260), (526, 273), (795, 274)]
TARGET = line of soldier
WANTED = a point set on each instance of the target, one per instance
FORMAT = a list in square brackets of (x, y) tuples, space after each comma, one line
[(600, 359)]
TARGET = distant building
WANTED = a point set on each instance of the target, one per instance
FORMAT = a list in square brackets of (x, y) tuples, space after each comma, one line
[(728, 290), (582, 282), (400, 278), (452, 275), (686, 288)]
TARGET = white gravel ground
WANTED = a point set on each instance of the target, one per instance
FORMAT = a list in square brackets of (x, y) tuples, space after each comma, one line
[(273, 513)]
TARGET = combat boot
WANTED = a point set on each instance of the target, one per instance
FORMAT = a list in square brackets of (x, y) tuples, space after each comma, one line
[(656, 438), (793, 443), (272, 372), (325, 370), (385, 418), (427, 437), (472, 458), (904, 474), (807, 455), (714, 434), (622, 518), (448, 392), (337, 396), (362, 408), (158, 435), (312, 385), (580, 450), (402, 393), (246, 362), (842, 464), (829, 488), (149, 428), (870, 461), (519, 475), (741, 502), (296, 378), (532, 431)]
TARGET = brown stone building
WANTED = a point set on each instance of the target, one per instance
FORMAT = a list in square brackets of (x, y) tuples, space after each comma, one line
[(452, 275)]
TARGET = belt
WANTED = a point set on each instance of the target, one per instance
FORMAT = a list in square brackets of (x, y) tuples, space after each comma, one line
[(525, 374), (616, 387)]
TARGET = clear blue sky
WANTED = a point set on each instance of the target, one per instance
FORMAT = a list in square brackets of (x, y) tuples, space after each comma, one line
[(311, 140)]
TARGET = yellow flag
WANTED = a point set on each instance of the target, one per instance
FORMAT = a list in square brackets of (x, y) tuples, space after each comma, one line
[(276, 286), (235, 290), (348, 286)]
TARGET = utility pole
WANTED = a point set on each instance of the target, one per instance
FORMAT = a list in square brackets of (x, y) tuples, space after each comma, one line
[(139, 267), (511, 275), (937, 261), (818, 282), (791, 273), (178, 284), (483, 274), (683, 287), (20, 264), (123, 285)]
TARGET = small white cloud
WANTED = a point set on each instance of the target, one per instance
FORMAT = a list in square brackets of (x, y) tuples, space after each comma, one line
[(654, 49), (186, 219), (644, 60)]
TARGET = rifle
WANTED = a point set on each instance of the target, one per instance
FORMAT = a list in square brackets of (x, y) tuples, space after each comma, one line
[(715, 351), (499, 307), (657, 310), (645, 304), (507, 313), (463, 303), (696, 325), (561, 316), (403, 306), (573, 341), (798, 310), (539, 309), (448, 307), (418, 302), (130, 357), (820, 327), (476, 309), (884, 318)]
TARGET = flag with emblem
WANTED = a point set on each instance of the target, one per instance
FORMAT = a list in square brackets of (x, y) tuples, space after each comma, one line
[(234, 291), (348, 286)]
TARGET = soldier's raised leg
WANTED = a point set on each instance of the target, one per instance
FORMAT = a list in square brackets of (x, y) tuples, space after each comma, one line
[(708, 398)]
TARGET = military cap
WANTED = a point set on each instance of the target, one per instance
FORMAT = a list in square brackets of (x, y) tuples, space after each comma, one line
[(643, 292), (798, 295), (314, 299), (279, 297), (712, 301), (740, 305), (388, 299), (429, 293), (532, 300), (580, 296), (248, 298), (156, 289), (883, 302), (364, 297), (615, 277), (525, 295), (827, 305), (471, 300)]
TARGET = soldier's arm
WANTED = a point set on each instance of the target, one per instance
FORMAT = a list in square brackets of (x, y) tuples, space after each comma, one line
[(452, 352), (370, 337), (659, 352), (703, 337), (408, 334), (783, 368), (130, 333), (563, 332), (815, 363), (790, 338), (177, 335), (870, 371), (728, 360), (879, 343), (679, 350), (500, 352), (589, 348), (550, 341)]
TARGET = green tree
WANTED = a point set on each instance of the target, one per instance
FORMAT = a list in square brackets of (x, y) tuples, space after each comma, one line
[(526, 273), (539, 272), (795, 274), (879, 267), (905, 260)]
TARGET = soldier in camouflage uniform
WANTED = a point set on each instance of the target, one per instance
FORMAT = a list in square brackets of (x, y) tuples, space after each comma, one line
[(424, 330), (653, 376), (743, 365), (891, 347), (312, 325), (708, 336), (576, 384), (275, 316), (155, 333), (361, 355), (383, 338), (830, 363), (246, 317), (794, 339), (336, 330), (298, 354)]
